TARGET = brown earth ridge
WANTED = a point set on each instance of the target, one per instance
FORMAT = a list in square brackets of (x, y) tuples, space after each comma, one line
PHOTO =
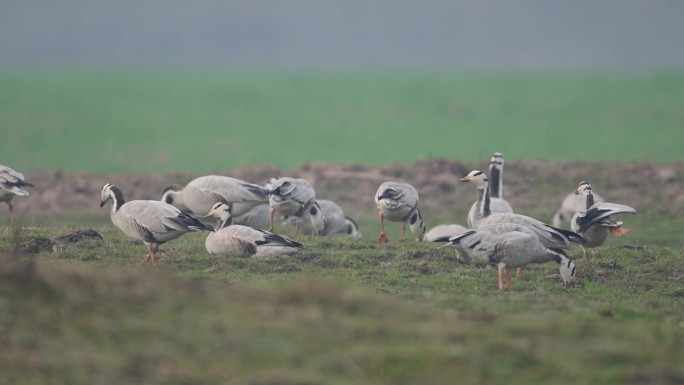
[(532, 187)]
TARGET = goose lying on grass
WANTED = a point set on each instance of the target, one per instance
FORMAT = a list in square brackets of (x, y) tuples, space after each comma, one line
[(152, 222), (242, 241), (398, 202), (12, 183)]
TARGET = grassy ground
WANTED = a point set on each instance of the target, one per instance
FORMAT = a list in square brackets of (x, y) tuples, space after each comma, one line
[(138, 122), (343, 311)]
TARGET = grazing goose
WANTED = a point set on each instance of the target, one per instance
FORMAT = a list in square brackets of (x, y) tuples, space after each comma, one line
[(550, 237), (151, 222), (242, 241), (335, 220), (295, 197), (351, 228), (507, 246), (595, 222), (497, 204), (202, 193), (398, 202), (441, 231), (12, 183), (571, 205)]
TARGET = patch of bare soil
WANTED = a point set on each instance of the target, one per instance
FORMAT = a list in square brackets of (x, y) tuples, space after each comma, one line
[(530, 186)]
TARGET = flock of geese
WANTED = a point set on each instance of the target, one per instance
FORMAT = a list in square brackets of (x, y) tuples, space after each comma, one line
[(494, 234)]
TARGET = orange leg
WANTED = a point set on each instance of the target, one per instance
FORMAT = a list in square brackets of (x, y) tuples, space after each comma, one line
[(11, 209), (403, 228), (383, 236), (150, 256), (500, 279), (298, 226), (270, 223), (518, 272), (508, 281)]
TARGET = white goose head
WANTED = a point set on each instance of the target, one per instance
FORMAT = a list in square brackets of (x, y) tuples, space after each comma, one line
[(111, 192), (220, 210), (478, 178), (583, 188), (497, 160)]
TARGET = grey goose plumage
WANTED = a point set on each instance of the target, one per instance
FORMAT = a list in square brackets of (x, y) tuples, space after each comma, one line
[(243, 241), (200, 194), (595, 223), (445, 230), (398, 202), (550, 236), (12, 183), (152, 222), (336, 223), (571, 205), (497, 203), (295, 197), (509, 245)]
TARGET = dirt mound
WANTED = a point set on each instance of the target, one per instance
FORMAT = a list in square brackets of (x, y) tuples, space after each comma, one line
[(531, 186)]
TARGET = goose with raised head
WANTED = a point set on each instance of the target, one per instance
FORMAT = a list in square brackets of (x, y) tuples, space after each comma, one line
[(243, 241), (497, 203), (441, 231), (571, 205), (550, 236), (595, 223), (12, 183), (295, 197), (200, 194), (152, 222), (398, 202), (507, 246)]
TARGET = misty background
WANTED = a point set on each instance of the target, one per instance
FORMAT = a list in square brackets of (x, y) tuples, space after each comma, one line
[(493, 35)]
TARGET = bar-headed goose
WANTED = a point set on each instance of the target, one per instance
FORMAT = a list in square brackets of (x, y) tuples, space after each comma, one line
[(295, 197), (571, 205), (550, 236), (335, 220), (242, 241), (256, 218), (497, 203), (202, 193), (152, 222), (12, 183), (398, 202), (441, 231), (595, 223), (352, 228), (509, 246)]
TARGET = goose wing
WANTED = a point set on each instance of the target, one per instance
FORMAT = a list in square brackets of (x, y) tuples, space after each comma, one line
[(13, 181), (598, 213), (225, 189)]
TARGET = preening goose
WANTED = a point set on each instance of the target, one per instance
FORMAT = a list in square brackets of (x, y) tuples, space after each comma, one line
[(202, 193), (243, 241), (441, 231), (12, 183), (550, 236), (398, 202), (509, 246), (595, 222), (571, 205), (152, 222), (335, 220), (497, 203), (295, 197)]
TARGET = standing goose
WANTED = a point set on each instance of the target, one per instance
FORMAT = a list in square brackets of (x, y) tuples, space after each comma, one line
[(398, 202), (295, 197), (497, 203), (202, 193), (509, 246), (550, 236), (12, 183), (571, 205), (595, 222), (242, 241), (335, 220), (151, 222)]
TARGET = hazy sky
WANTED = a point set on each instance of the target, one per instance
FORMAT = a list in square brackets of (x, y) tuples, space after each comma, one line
[(502, 35)]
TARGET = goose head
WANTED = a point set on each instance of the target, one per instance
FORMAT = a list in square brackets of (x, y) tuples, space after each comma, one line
[(169, 193), (221, 211), (478, 178), (583, 188), (110, 192), (497, 160)]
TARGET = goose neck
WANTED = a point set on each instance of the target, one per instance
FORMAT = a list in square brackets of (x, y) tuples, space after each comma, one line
[(496, 175)]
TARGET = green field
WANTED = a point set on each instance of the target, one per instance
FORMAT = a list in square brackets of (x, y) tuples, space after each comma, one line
[(203, 122)]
